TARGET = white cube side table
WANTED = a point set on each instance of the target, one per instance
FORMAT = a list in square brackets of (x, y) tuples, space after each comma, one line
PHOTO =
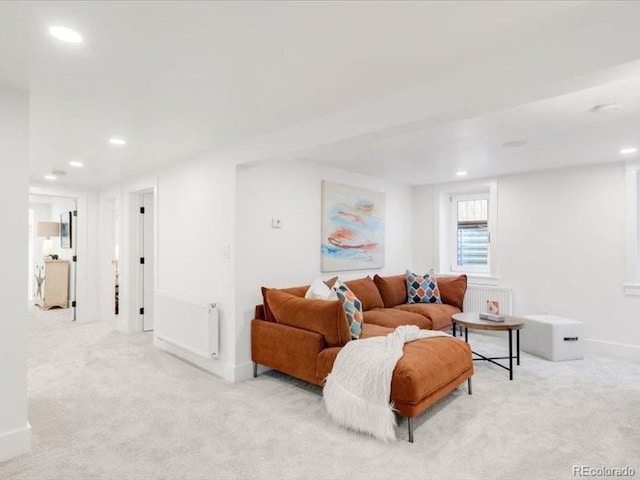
[(552, 337)]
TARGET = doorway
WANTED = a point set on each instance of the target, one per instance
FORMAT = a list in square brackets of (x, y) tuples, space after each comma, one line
[(52, 256)]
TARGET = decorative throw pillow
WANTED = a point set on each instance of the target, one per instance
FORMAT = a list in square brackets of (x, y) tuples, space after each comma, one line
[(352, 308), (319, 290), (365, 289), (325, 318), (422, 288)]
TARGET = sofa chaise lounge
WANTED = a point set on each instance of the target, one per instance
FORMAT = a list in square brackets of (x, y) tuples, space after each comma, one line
[(302, 337)]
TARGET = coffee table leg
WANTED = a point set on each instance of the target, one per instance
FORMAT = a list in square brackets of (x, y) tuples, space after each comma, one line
[(518, 345), (466, 334), (510, 354), (454, 328)]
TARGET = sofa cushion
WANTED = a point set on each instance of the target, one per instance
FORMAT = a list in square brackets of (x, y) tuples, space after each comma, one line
[(365, 289), (438, 314), (327, 356), (392, 318), (393, 289), (296, 291), (422, 288), (321, 316), (428, 365), (373, 330), (352, 309), (453, 289)]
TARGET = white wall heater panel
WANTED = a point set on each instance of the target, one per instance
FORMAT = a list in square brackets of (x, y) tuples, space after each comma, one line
[(190, 325), (476, 298)]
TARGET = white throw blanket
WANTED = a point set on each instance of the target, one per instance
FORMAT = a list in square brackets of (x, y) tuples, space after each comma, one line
[(357, 390)]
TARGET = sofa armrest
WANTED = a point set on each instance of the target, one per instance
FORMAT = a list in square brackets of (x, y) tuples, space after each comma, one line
[(290, 350)]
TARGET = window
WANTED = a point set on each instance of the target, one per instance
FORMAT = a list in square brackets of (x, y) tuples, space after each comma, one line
[(466, 232), (470, 232)]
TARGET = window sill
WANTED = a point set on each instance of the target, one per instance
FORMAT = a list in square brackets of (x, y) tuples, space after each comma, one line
[(631, 289), (477, 278)]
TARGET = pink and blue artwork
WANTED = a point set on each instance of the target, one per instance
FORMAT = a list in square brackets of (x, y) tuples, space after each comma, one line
[(352, 228)]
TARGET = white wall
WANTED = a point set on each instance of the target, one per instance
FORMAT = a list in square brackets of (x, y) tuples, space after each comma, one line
[(290, 255), (561, 247), (87, 251), (195, 220), (15, 435)]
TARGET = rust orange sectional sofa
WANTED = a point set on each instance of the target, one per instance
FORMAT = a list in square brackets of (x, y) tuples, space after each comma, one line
[(302, 337)]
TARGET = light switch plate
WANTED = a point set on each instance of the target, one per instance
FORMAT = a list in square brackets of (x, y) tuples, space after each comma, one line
[(276, 223)]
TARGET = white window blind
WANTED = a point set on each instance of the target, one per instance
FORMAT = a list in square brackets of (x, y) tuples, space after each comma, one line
[(471, 232)]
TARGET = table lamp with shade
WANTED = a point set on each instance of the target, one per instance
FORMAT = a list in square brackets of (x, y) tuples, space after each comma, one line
[(48, 230)]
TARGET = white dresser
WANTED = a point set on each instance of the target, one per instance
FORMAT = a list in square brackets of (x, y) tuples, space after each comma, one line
[(51, 284)]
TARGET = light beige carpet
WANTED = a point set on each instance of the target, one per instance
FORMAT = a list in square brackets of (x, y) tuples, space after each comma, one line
[(105, 405)]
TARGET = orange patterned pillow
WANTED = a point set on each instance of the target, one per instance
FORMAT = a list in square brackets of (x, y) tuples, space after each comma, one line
[(422, 288), (352, 308)]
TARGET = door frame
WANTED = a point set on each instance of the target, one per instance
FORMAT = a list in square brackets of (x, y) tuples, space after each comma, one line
[(136, 272), (148, 280), (80, 241)]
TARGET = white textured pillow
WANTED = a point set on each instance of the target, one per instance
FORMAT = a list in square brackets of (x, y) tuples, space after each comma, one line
[(319, 291)]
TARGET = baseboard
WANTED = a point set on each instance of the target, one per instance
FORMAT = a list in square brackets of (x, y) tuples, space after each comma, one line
[(612, 349), (245, 371), (15, 443), (211, 365)]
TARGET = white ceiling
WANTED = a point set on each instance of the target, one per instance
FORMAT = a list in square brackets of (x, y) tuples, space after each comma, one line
[(559, 132), (429, 86)]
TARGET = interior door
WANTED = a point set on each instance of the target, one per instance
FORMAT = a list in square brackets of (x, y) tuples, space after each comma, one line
[(148, 246)]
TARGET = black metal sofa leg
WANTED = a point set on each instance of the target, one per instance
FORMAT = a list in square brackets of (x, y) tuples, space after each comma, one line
[(410, 426), (255, 369)]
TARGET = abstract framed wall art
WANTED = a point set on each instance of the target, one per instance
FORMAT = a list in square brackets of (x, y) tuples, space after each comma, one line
[(353, 232), (66, 236)]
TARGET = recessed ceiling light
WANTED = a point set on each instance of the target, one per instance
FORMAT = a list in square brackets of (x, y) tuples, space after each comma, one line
[(51, 178), (461, 173), (628, 151), (514, 144), (117, 141), (76, 164), (65, 34), (606, 108)]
